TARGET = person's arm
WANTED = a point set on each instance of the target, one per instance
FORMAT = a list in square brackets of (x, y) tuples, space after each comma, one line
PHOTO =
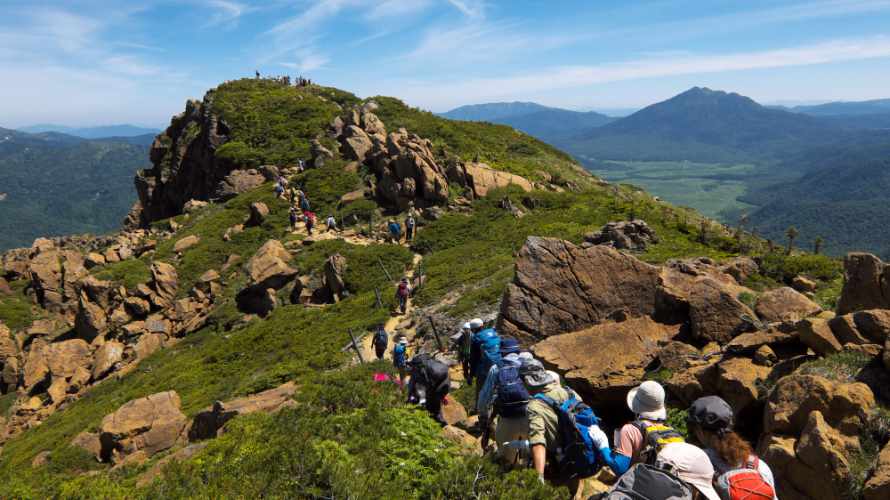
[(616, 461), (486, 395), (539, 458)]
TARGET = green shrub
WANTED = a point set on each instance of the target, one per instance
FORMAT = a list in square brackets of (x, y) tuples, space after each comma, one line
[(842, 366), (129, 273), (15, 309), (748, 298), (784, 268)]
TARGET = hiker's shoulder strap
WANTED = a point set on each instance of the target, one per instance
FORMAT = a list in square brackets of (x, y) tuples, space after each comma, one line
[(753, 462), (546, 399)]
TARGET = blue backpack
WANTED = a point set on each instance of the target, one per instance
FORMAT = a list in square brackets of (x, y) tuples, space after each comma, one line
[(577, 455), (398, 356), (490, 346), (512, 396)]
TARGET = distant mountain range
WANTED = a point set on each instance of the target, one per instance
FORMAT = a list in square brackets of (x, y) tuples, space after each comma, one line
[(56, 184), (545, 123), (875, 106), (124, 130)]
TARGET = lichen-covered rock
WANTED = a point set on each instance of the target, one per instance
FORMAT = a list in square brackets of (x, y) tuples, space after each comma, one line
[(185, 243), (785, 304), (107, 356), (624, 235), (258, 214), (844, 406), (208, 422), (816, 334)]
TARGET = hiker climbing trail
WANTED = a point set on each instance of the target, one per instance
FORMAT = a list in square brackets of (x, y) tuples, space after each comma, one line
[(396, 324)]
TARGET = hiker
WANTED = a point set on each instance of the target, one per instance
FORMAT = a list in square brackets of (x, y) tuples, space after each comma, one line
[(640, 440), (551, 410), (403, 291), (681, 471), (380, 341), (429, 384), (331, 223), (461, 341), (739, 473), (409, 228), (257, 74), (294, 216), (504, 396), (484, 353), (304, 203), (279, 189), (400, 358), (309, 218), (301, 166), (395, 231)]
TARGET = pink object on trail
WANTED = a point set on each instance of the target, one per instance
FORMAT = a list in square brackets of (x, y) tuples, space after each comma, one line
[(381, 377)]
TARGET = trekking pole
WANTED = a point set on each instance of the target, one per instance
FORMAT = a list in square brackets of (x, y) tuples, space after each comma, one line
[(436, 334), (355, 346), (389, 276)]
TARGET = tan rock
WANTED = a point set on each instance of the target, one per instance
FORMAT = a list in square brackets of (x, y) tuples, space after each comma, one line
[(785, 304), (258, 214), (463, 439), (453, 412), (866, 284), (873, 324), (844, 329), (79, 380), (185, 243), (89, 441), (715, 312), (94, 259), (764, 356), (208, 422), (58, 389), (603, 362), (844, 406), (41, 459), (822, 450), (137, 306), (36, 369), (817, 335), (165, 280), (149, 425), (232, 231), (111, 353), (482, 179), (677, 355), (878, 486), (268, 267), (803, 284), (91, 321), (737, 382), (63, 358), (148, 344)]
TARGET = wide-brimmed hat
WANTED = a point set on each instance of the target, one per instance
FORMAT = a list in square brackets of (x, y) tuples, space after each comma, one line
[(403, 341), (647, 400), (534, 375), (711, 413), (691, 464), (476, 323)]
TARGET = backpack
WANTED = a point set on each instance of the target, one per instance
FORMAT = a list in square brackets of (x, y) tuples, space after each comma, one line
[(655, 437), (403, 290), (398, 355), (512, 396), (576, 454), (648, 482), (381, 338), (409, 222), (744, 483), (490, 347)]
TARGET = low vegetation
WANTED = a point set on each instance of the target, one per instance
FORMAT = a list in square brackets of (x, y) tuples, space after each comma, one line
[(16, 310)]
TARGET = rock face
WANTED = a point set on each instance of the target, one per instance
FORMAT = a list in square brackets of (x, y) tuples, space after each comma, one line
[(844, 406), (785, 304), (210, 421), (268, 271), (624, 350), (481, 178), (143, 426), (633, 235), (237, 182), (866, 284), (334, 272), (184, 163)]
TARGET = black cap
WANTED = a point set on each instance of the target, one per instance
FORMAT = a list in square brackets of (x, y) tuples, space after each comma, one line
[(711, 413)]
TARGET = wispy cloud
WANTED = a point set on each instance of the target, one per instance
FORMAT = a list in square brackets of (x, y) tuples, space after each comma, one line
[(396, 8), (225, 12), (566, 77), (473, 9)]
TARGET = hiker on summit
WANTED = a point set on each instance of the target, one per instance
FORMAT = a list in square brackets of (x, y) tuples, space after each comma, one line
[(403, 291), (640, 440), (395, 231), (381, 340), (400, 358), (504, 396), (739, 473)]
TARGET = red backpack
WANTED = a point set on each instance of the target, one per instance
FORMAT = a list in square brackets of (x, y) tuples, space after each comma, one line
[(745, 483)]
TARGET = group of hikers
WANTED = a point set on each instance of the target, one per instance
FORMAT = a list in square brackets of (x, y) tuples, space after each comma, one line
[(535, 421), (300, 207), (395, 229)]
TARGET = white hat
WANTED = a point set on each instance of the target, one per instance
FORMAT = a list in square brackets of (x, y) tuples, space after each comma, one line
[(466, 326), (476, 323), (647, 401), (691, 464), (403, 341)]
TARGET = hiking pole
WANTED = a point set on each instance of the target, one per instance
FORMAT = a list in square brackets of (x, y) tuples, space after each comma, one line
[(436, 334), (389, 276), (355, 346)]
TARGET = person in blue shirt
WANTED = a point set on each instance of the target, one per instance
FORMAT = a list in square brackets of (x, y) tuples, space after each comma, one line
[(400, 359), (395, 231), (508, 404)]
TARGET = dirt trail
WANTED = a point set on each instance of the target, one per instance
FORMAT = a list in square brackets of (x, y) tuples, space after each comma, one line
[(392, 324)]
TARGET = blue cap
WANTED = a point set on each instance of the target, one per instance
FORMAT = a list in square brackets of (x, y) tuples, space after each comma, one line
[(509, 345)]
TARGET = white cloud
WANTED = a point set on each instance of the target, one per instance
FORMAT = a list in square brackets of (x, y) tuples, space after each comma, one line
[(396, 8), (307, 61), (566, 77), (474, 9), (226, 12)]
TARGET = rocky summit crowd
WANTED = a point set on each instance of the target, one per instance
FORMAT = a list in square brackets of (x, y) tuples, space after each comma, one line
[(528, 418)]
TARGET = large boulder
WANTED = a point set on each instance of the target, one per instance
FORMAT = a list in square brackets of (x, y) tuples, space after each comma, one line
[(258, 214), (107, 356), (237, 182), (268, 267), (165, 280), (878, 486), (147, 426), (785, 305), (737, 382), (481, 179), (560, 288), (208, 422), (715, 313), (356, 143), (845, 406), (604, 361), (822, 470), (91, 320), (866, 284), (185, 243), (334, 276), (816, 334), (624, 235)]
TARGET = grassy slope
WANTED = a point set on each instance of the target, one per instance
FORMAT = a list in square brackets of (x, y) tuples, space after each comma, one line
[(343, 424)]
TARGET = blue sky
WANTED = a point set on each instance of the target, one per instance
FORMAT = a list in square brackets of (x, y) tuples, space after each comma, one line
[(90, 62)]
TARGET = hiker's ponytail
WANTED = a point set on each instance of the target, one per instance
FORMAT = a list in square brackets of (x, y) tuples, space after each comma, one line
[(731, 447)]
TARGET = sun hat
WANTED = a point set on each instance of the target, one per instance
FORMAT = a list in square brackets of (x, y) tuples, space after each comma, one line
[(647, 400), (691, 464), (403, 341), (534, 375), (476, 323), (466, 326), (509, 345), (711, 413)]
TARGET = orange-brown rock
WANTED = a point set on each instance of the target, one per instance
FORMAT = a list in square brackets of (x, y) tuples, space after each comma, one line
[(737, 382), (817, 335), (148, 425), (878, 486), (866, 284), (209, 422), (785, 305), (481, 179), (107, 356), (845, 406)]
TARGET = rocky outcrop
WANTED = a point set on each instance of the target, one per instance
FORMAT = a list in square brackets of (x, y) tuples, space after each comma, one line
[(878, 486), (210, 421), (268, 271), (237, 182), (624, 350), (334, 281), (141, 428), (785, 304), (633, 235), (866, 284), (258, 214), (184, 163), (480, 178)]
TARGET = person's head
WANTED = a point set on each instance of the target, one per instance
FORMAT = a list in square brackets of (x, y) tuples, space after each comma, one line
[(403, 341), (476, 324), (536, 378), (647, 401), (466, 326), (509, 345), (691, 464), (710, 419)]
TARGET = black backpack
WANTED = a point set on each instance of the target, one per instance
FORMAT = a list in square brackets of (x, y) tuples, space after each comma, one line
[(648, 482), (381, 338), (512, 396)]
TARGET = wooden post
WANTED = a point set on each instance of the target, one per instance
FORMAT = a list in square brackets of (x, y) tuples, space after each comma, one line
[(379, 303), (436, 334), (388, 276), (356, 347)]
